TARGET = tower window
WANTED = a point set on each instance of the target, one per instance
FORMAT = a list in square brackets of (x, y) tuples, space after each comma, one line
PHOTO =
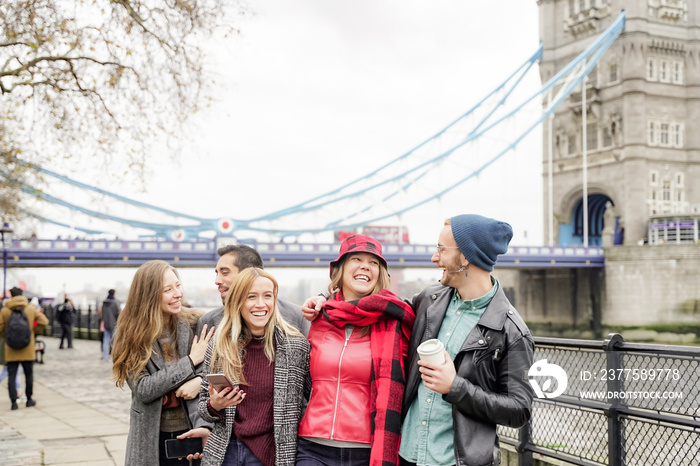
[(651, 133), (679, 180), (677, 134), (664, 75), (651, 69), (664, 139), (677, 72)]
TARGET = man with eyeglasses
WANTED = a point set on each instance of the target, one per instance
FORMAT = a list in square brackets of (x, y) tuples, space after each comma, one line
[(451, 417)]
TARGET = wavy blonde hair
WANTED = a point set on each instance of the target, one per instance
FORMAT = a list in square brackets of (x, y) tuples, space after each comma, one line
[(142, 321), (233, 334)]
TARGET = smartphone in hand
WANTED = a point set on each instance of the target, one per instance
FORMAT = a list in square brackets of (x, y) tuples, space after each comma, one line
[(180, 448), (219, 381)]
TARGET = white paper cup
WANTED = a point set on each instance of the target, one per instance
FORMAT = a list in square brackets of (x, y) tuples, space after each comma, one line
[(432, 351)]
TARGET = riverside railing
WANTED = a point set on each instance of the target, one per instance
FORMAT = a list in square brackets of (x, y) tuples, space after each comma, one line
[(86, 323), (625, 404)]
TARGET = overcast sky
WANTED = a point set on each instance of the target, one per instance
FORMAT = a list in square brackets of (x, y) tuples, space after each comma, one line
[(322, 92), (312, 94)]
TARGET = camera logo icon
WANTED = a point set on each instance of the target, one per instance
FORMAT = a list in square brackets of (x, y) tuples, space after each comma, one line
[(551, 372)]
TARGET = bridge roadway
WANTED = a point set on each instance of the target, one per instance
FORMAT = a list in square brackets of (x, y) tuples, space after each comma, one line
[(122, 253)]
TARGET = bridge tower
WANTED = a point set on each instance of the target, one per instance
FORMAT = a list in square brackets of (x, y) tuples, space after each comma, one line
[(642, 111)]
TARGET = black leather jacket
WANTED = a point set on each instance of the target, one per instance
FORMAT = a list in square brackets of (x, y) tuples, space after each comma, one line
[(491, 384)]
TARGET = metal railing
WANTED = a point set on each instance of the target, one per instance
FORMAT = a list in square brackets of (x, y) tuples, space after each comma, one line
[(86, 323), (628, 404)]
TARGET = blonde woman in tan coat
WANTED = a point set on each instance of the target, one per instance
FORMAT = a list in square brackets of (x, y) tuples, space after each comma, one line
[(25, 356)]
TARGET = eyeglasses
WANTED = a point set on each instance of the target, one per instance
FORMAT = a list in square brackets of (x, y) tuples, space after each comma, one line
[(440, 249)]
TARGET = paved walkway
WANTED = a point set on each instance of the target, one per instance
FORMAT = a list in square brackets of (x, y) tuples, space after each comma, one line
[(81, 417)]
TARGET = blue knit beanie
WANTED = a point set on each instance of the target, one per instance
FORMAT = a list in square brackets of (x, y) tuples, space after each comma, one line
[(481, 239)]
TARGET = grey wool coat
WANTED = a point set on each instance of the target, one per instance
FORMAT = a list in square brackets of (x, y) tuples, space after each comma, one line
[(147, 391), (291, 385)]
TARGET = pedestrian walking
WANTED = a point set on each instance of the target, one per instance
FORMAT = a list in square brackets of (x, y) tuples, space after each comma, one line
[(19, 322), (109, 312), (66, 315)]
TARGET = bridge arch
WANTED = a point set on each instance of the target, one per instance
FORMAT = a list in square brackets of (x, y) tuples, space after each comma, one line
[(571, 218)]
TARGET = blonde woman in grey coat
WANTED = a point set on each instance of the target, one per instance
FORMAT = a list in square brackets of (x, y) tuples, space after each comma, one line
[(155, 352), (257, 419)]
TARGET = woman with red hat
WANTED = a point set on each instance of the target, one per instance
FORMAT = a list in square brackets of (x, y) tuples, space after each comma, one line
[(358, 345)]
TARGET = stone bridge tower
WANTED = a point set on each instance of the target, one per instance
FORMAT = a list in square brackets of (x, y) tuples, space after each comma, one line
[(643, 122)]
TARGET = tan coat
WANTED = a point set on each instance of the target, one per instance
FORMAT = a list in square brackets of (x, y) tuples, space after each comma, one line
[(33, 315)]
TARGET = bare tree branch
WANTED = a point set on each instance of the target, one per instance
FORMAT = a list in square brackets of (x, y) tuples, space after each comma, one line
[(101, 79)]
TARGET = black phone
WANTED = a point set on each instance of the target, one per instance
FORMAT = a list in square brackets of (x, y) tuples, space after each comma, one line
[(180, 448)]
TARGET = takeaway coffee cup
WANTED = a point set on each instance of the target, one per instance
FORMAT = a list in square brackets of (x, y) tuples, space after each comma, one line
[(432, 351)]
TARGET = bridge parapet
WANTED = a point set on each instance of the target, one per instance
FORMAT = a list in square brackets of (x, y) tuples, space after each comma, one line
[(131, 253)]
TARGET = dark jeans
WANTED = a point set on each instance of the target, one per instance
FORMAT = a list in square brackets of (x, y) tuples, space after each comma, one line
[(403, 462), (313, 454), (28, 368), (238, 454), (66, 332)]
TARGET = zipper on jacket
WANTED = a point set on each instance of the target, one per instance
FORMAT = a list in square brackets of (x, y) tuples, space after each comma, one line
[(337, 388)]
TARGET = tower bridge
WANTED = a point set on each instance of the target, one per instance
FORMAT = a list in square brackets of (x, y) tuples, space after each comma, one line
[(125, 253)]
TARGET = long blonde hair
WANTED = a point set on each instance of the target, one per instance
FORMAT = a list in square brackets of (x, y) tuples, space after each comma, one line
[(233, 334), (142, 321)]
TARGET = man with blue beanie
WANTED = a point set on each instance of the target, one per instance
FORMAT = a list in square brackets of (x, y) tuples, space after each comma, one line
[(451, 417)]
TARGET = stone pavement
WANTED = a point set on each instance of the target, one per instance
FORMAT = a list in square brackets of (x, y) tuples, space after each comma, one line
[(81, 417)]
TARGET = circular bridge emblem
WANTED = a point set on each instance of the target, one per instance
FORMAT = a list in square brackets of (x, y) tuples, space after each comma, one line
[(225, 225), (177, 235)]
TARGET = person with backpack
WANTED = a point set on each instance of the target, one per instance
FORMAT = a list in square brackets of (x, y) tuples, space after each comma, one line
[(65, 314), (19, 322)]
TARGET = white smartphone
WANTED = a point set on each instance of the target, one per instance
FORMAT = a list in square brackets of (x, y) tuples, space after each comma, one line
[(219, 381)]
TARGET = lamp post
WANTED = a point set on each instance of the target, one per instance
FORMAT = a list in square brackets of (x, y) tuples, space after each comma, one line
[(5, 229)]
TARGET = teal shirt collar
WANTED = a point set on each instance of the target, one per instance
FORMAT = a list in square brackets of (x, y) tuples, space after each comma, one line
[(481, 302)]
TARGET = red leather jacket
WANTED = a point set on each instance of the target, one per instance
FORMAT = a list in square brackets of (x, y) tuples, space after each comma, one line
[(340, 396)]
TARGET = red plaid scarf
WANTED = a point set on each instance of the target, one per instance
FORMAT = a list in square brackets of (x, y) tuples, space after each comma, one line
[(391, 321)]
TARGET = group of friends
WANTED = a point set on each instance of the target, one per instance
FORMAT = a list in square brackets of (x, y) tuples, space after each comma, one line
[(338, 380)]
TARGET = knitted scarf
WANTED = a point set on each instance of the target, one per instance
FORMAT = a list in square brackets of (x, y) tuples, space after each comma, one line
[(391, 321)]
